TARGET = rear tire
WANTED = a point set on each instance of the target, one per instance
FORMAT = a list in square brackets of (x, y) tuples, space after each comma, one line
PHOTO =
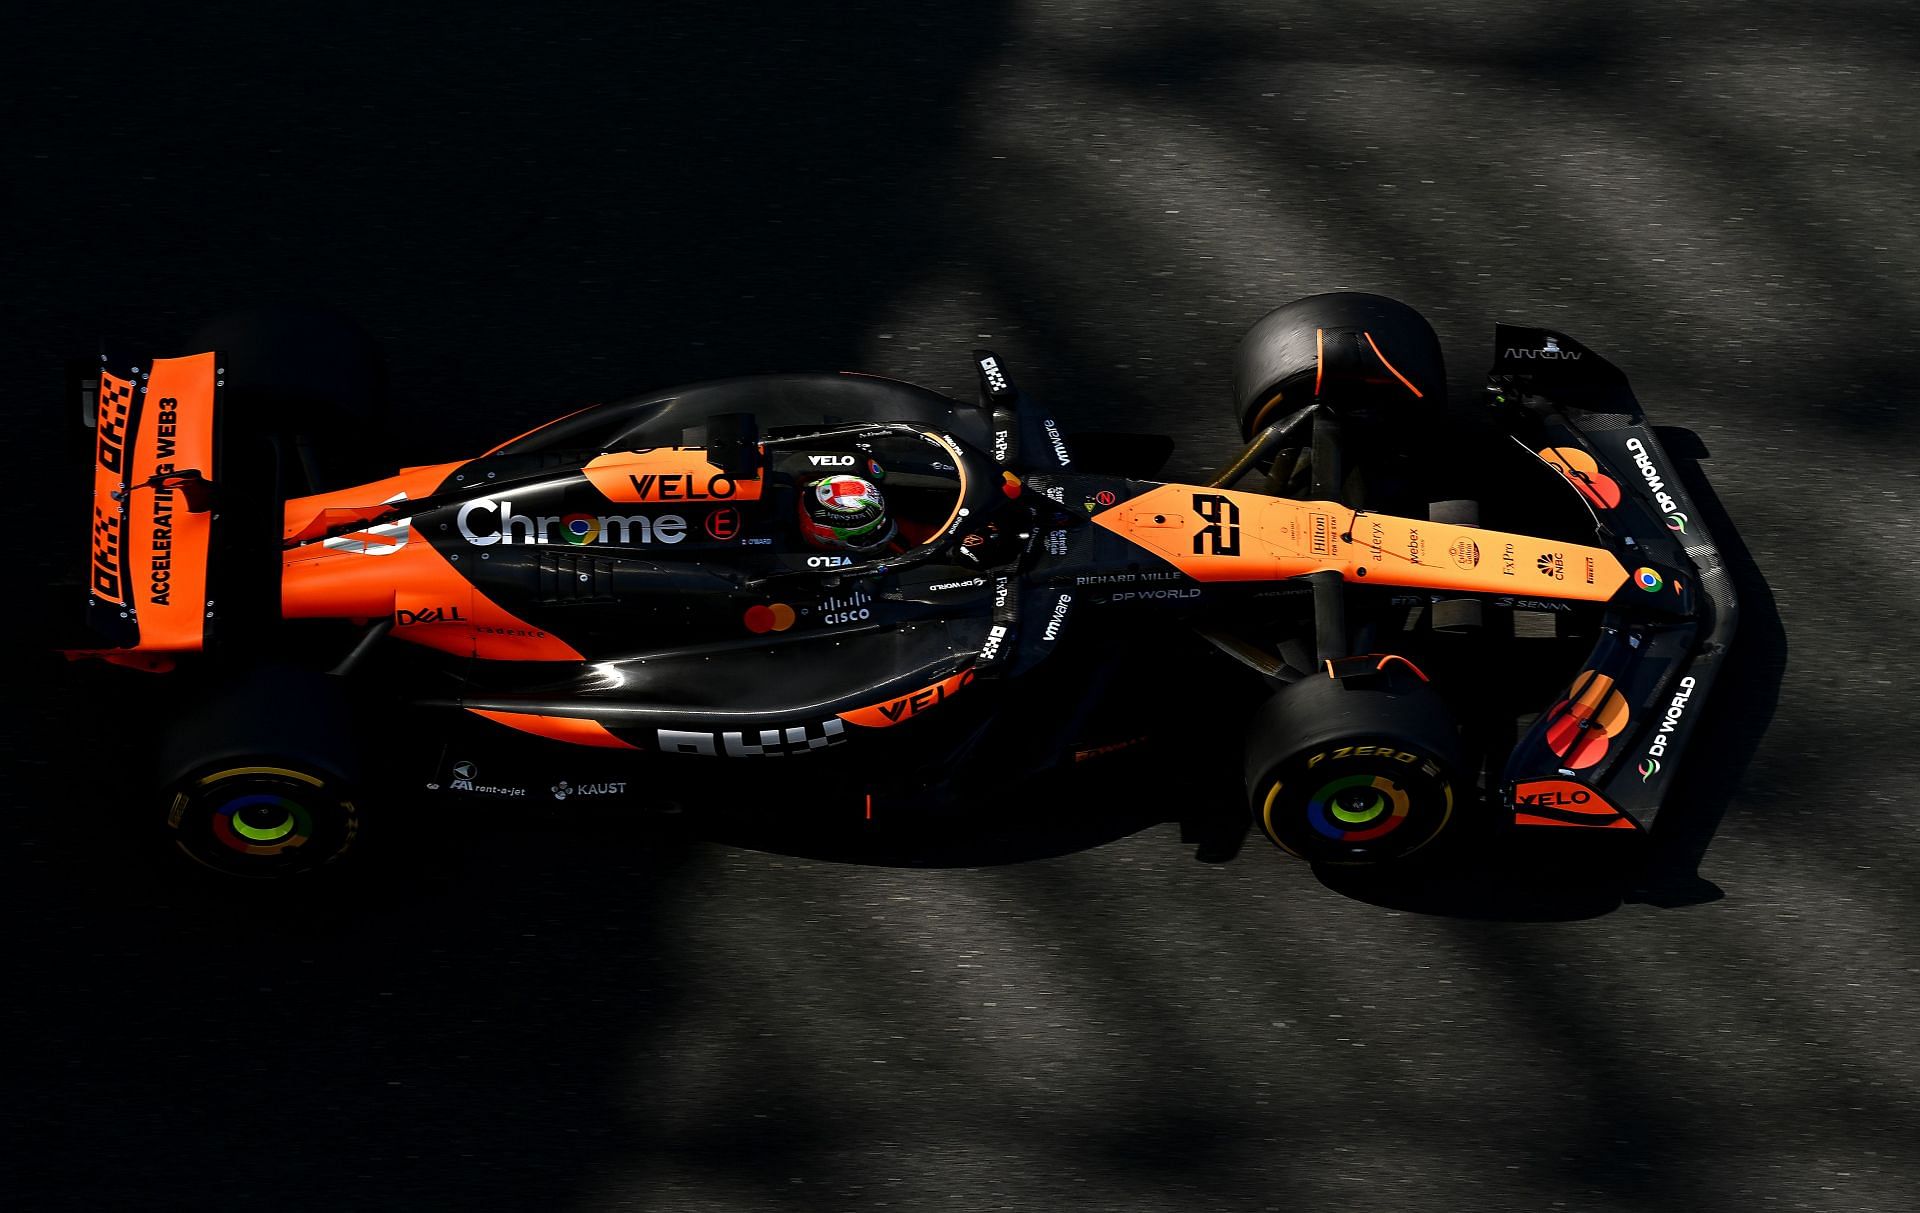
[(270, 818), (260, 780), (1353, 774)]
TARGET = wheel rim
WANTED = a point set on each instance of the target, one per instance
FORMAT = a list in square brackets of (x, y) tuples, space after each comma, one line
[(262, 823), (1365, 809), (262, 820), (1358, 808)]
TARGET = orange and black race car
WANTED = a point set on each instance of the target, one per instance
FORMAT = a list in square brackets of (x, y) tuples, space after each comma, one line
[(888, 596)]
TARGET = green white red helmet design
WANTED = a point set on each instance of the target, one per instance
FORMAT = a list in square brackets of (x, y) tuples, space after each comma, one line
[(844, 513)]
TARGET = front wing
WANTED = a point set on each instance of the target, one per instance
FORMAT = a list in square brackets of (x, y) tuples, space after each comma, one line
[(1603, 755)]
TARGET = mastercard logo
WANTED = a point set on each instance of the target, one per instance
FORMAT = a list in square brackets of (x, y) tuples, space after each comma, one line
[(1583, 473), (1579, 726), (774, 617)]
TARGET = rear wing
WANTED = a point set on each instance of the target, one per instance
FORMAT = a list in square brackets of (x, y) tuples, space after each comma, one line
[(154, 451)]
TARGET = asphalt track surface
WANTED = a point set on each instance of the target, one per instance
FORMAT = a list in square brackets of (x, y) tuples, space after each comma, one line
[(537, 208)]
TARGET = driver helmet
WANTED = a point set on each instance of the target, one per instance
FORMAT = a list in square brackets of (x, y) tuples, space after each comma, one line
[(845, 513)]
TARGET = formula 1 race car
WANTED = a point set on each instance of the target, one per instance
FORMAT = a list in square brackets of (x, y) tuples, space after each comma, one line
[(884, 596)]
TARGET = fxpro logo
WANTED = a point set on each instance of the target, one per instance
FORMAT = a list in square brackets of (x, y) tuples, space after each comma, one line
[(1676, 520), (486, 522), (1676, 708)]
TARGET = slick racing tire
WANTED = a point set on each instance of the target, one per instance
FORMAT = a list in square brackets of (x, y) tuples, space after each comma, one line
[(308, 381), (1371, 357), (268, 818), (1350, 774), (259, 780)]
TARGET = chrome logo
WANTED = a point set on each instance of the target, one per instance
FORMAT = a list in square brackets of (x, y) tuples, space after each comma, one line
[(579, 528), (1647, 580)]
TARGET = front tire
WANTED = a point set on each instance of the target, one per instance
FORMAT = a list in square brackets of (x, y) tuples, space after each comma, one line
[(1361, 772)]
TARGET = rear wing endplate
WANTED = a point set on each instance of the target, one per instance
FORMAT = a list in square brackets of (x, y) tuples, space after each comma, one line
[(152, 533)]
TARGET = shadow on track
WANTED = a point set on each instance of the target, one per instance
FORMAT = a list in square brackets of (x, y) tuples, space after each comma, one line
[(1738, 715), (530, 210)]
